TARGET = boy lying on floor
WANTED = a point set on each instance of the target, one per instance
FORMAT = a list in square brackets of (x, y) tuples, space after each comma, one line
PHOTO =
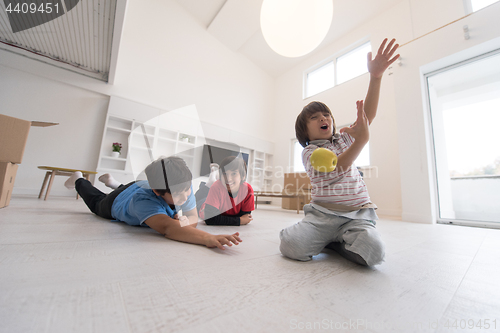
[(154, 202)]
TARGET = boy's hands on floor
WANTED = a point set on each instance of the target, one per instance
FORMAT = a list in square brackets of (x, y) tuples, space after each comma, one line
[(221, 240), (245, 219)]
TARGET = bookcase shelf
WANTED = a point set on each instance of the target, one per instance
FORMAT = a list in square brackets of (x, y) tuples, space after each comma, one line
[(140, 141), (260, 171)]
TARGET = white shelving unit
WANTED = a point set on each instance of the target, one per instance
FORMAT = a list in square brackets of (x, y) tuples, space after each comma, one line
[(268, 172), (140, 143), (261, 171), (145, 130)]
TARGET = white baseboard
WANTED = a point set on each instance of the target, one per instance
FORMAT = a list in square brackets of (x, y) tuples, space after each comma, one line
[(426, 219), (36, 192), (391, 213)]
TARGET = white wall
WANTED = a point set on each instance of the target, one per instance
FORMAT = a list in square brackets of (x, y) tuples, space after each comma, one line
[(166, 60), (169, 60), (437, 50), (74, 143)]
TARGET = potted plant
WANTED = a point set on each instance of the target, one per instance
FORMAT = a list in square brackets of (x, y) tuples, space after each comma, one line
[(117, 148)]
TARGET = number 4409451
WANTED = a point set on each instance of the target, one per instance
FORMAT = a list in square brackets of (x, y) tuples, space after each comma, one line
[(475, 324), (31, 7)]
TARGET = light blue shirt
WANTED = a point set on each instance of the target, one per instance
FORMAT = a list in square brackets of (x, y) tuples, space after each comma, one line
[(138, 203)]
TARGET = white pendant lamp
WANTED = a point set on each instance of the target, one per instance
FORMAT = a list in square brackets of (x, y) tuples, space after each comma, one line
[(293, 28)]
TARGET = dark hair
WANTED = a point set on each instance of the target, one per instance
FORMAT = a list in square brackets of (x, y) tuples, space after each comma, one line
[(169, 175), (232, 163), (303, 118)]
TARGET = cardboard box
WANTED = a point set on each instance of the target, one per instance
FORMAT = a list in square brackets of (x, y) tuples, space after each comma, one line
[(7, 177), (13, 137), (298, 181), (291, 203)]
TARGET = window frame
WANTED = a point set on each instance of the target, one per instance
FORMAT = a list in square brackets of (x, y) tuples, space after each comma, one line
[(347, 53), (294, 141), (468, 6), (332, 59)]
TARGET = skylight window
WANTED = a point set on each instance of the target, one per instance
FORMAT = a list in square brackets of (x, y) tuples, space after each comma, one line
[(337, 70), (352, 64), (321, 79), (480, 4)]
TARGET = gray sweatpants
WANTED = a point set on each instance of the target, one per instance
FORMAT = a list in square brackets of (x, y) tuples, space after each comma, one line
[(357, 240)]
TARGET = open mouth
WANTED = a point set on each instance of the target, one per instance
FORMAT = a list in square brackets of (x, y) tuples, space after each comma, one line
[(324, 127)]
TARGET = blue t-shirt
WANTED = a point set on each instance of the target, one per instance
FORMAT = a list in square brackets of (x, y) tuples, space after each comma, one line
[(138, 203)]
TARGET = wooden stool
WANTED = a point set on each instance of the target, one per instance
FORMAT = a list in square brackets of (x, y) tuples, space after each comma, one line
[(54, 171)]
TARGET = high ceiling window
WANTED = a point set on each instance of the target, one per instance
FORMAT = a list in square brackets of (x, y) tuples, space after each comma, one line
[(480, 4), (336, 70)]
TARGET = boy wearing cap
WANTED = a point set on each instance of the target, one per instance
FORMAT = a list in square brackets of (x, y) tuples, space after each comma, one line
[(153, 203)]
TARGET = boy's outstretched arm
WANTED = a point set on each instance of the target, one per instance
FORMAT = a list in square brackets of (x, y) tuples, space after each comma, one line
[(361, 133), (377, 67), (172, 229)]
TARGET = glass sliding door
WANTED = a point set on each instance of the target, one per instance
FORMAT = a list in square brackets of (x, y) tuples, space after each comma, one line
[(465, 114)]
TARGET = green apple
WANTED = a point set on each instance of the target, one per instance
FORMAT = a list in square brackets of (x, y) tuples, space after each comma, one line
[(323, 160)]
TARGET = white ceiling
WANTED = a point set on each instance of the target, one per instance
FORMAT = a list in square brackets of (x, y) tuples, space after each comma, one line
[(79, 39), (236, 23), (67, 41)]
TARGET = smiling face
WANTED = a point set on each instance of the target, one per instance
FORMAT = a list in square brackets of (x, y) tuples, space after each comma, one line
[(232, 179), (320, 126)]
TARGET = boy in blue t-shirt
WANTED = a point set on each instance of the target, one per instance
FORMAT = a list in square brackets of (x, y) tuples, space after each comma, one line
[(153, 203)]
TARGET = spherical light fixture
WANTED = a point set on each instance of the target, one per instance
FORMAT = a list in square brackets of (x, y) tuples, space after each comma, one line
[(293, 28)]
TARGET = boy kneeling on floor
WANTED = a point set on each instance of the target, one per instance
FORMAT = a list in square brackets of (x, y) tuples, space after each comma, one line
[(153, 203)]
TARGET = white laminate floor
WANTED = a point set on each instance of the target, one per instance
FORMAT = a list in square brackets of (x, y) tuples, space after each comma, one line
[(62, 269)]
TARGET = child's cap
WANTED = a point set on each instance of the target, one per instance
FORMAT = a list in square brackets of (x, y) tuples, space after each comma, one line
[(170, 174)]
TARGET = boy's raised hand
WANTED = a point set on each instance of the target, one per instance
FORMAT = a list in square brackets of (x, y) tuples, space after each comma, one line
[(360, 129), (383, 59), (221, 240)]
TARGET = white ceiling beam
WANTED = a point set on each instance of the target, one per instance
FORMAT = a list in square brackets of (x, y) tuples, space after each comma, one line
[(236, 22)]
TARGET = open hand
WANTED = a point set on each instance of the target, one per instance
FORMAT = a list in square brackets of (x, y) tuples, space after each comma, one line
[(221, 240), (383, 59), (360, 129)]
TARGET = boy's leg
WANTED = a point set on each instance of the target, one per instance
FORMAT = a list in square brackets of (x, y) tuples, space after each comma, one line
[(91, 195), (214, 174), (201, 195), (109, 181), (360, 237), (70, 182), (339, 247), (309, 237), (98, 202)]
